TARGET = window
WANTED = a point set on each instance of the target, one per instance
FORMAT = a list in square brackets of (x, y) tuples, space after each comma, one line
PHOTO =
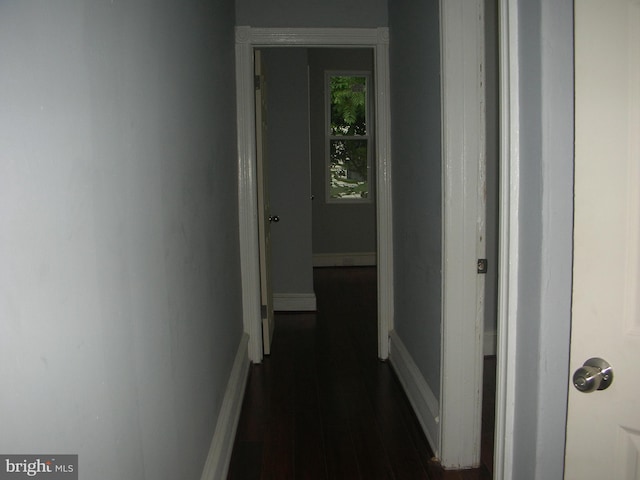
[(348, 139)]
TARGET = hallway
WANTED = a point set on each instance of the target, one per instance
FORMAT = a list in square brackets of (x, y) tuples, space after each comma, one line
[(323, 406)]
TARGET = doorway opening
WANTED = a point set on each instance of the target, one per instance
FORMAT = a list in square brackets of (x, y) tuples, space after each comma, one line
[(321, 150), (247, 39)]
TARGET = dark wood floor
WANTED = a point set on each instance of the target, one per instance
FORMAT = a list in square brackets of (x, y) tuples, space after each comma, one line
[(323, 406)]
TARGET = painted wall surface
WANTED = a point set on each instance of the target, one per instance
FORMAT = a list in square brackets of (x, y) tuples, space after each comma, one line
[(311, 13), (416, 152), (545, 224), (289, 168), (120, 304), (337, 227)]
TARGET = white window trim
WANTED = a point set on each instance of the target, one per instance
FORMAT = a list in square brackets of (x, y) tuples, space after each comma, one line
[(370, 137)]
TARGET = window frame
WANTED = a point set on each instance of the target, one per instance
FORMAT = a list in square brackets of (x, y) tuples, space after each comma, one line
[(369, 137)]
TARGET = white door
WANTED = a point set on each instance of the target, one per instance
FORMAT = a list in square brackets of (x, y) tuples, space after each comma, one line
[(264, 215), (603, 427)]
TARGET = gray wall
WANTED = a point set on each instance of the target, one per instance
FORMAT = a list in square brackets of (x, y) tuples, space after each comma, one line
[(545, 230), (337, 227), (311, 13), (120, 306), (289, 168), (416, 135)]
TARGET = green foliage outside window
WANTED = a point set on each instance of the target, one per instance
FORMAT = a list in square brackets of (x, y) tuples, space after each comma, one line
[(348, 141)]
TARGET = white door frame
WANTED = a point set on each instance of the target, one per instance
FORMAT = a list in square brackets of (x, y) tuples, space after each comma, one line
[(463, 231), (508, 238), (248, 38)]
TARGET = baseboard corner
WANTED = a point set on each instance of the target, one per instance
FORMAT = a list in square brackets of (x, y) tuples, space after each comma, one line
[(294, 302), (219, 457), (352, 259), (420, 395)]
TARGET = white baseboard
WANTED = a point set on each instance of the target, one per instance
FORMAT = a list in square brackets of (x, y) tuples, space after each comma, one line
[(421, 397), (362, 259), (219, 457), (294, 302), (490, 342)]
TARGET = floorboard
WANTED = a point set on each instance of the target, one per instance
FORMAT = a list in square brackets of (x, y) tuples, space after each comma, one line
[(322, 406)]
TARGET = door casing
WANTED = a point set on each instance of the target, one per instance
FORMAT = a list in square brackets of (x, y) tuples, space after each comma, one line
[(463, 231), (508, 249), (247, 39), (536, 170)]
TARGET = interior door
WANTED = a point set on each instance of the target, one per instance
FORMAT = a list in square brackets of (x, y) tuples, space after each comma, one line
[(264, 215), (603, 427)]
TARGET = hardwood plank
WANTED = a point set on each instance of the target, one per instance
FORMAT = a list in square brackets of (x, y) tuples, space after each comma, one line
[(369, 447), (278, 449), (251, 426), (246, 461), (340, 452), (310, 457)]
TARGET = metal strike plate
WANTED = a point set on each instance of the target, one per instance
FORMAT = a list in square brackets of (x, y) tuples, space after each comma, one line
[(482, 265)]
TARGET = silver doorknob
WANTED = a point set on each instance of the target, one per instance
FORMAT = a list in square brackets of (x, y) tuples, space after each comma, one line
[(274, 218), (595, 374)]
